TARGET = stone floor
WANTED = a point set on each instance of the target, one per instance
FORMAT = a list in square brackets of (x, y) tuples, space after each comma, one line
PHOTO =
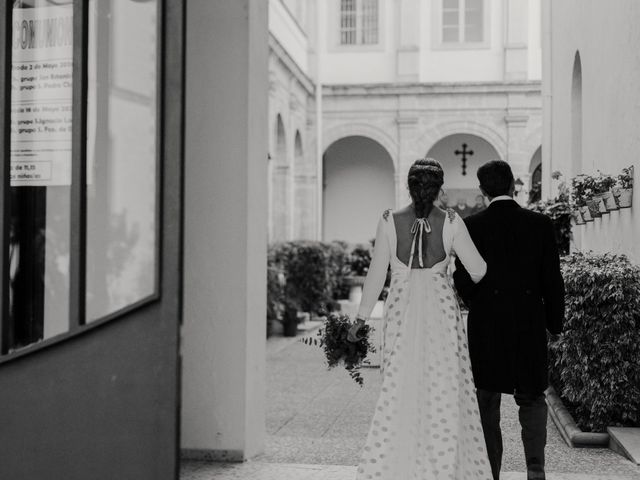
[(279, 471), (317, 421)]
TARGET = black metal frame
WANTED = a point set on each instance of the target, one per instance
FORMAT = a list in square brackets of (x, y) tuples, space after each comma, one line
[(6, 9), (170, 68), (78, 240)]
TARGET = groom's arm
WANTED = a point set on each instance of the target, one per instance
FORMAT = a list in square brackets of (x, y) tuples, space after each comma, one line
[(464, 284), (552, 281)]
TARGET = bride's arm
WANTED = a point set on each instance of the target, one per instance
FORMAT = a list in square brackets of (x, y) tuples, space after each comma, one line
[(467, 252), (377, 273)]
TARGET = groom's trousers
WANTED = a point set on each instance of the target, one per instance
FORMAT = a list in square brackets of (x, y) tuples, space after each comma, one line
[(533, 420)]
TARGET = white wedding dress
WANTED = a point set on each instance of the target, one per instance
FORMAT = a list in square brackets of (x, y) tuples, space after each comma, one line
[(426, 424)]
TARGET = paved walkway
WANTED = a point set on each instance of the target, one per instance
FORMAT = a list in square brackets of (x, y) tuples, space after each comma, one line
[(317, 421)]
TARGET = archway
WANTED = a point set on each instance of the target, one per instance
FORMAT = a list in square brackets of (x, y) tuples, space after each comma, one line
[(461, 155), (535, 174), (358, 185), (576, 117), (280, 204), (303, 214)]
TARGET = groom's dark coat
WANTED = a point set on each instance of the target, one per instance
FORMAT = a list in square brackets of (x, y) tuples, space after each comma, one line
[(520, 297)]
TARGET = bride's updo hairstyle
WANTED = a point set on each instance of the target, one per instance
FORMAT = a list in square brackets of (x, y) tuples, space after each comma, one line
[(425, 181)]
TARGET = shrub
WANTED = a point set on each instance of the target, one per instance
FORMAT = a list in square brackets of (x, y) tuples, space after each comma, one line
[(360, 260), (559, 210), (594, 363), (310, 273)]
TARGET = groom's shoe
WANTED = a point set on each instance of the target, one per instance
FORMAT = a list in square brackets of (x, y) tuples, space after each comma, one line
[(535, 472)]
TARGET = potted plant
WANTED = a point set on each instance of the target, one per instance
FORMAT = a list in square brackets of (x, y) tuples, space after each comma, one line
[(603, 194), (623, 189), (579, 186)]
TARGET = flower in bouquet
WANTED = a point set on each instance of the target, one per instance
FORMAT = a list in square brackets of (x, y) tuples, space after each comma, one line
[(338, 350)]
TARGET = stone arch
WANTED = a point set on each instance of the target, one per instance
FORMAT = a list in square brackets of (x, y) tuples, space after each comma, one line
[(577, 163), (460, 189), (333, 134), (280, 183), (469, 127), (358, 185), (535, 175), (298, 150)]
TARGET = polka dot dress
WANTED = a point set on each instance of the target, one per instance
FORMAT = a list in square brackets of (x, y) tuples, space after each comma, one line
[(426, 424)]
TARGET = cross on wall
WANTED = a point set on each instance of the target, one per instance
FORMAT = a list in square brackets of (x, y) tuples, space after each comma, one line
[(464, 152)]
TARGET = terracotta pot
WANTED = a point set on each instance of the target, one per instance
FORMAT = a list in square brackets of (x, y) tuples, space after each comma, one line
[(586, 214), (593, 208), (577, 217), (625, 197), (609, 201), (598, 198)]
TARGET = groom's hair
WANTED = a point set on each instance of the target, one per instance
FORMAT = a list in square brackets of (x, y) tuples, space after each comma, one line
[(495, 178)]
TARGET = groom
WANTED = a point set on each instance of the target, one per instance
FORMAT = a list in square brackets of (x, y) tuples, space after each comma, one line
[(510, 311)]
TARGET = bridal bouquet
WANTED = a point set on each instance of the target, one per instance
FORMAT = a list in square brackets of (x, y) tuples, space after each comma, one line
[(338, 350)]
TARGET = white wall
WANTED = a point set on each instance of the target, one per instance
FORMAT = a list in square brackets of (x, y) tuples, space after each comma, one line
[(453, 64), (359, 186), (356, 63), (606, 35), (289, 31), (225, 229)]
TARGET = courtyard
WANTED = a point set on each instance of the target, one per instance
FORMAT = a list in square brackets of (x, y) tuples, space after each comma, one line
[(317, 421)]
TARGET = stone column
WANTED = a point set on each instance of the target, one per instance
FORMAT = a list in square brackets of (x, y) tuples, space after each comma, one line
[(223, 347), (407, 154)]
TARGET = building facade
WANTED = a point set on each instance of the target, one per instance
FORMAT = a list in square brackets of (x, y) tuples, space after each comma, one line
[(591, 107), (389, 82)]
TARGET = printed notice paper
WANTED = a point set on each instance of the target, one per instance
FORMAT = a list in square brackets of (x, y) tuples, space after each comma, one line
[(41, 93)]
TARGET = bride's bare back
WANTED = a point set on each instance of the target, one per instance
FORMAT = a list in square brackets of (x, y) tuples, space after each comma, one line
[(432, 242)]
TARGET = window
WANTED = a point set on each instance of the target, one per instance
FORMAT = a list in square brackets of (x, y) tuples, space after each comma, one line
[(81, 225), (359, 22), (462, 21)]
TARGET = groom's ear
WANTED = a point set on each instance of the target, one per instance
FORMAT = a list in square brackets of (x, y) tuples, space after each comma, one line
[(484, 193)]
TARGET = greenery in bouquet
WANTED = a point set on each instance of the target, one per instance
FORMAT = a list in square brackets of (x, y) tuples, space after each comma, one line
[(332, 338), (625, 179)]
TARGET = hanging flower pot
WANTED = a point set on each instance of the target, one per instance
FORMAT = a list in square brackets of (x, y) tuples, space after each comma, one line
[(625, 197), (623, 190), (609, 201), (598, 198), (586, 214), (593, 208), (577, 217)]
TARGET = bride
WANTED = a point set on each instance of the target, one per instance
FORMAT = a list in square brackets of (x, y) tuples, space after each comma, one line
[(426, 423)]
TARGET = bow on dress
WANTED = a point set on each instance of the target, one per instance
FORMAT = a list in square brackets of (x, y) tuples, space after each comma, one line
[(419, 228)]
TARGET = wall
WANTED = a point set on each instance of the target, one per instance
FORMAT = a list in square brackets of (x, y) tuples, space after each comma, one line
[(353, 63), (225, 223), (606, 35)]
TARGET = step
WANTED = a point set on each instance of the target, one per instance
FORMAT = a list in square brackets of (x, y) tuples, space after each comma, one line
[(625, 441)]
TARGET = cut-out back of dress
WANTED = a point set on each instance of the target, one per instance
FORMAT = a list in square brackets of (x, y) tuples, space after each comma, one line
[(433, 249)]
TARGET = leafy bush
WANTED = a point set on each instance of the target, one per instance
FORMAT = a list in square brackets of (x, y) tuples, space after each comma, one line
[(559, 210), (594, 363), (360, 260), (311, 272)]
